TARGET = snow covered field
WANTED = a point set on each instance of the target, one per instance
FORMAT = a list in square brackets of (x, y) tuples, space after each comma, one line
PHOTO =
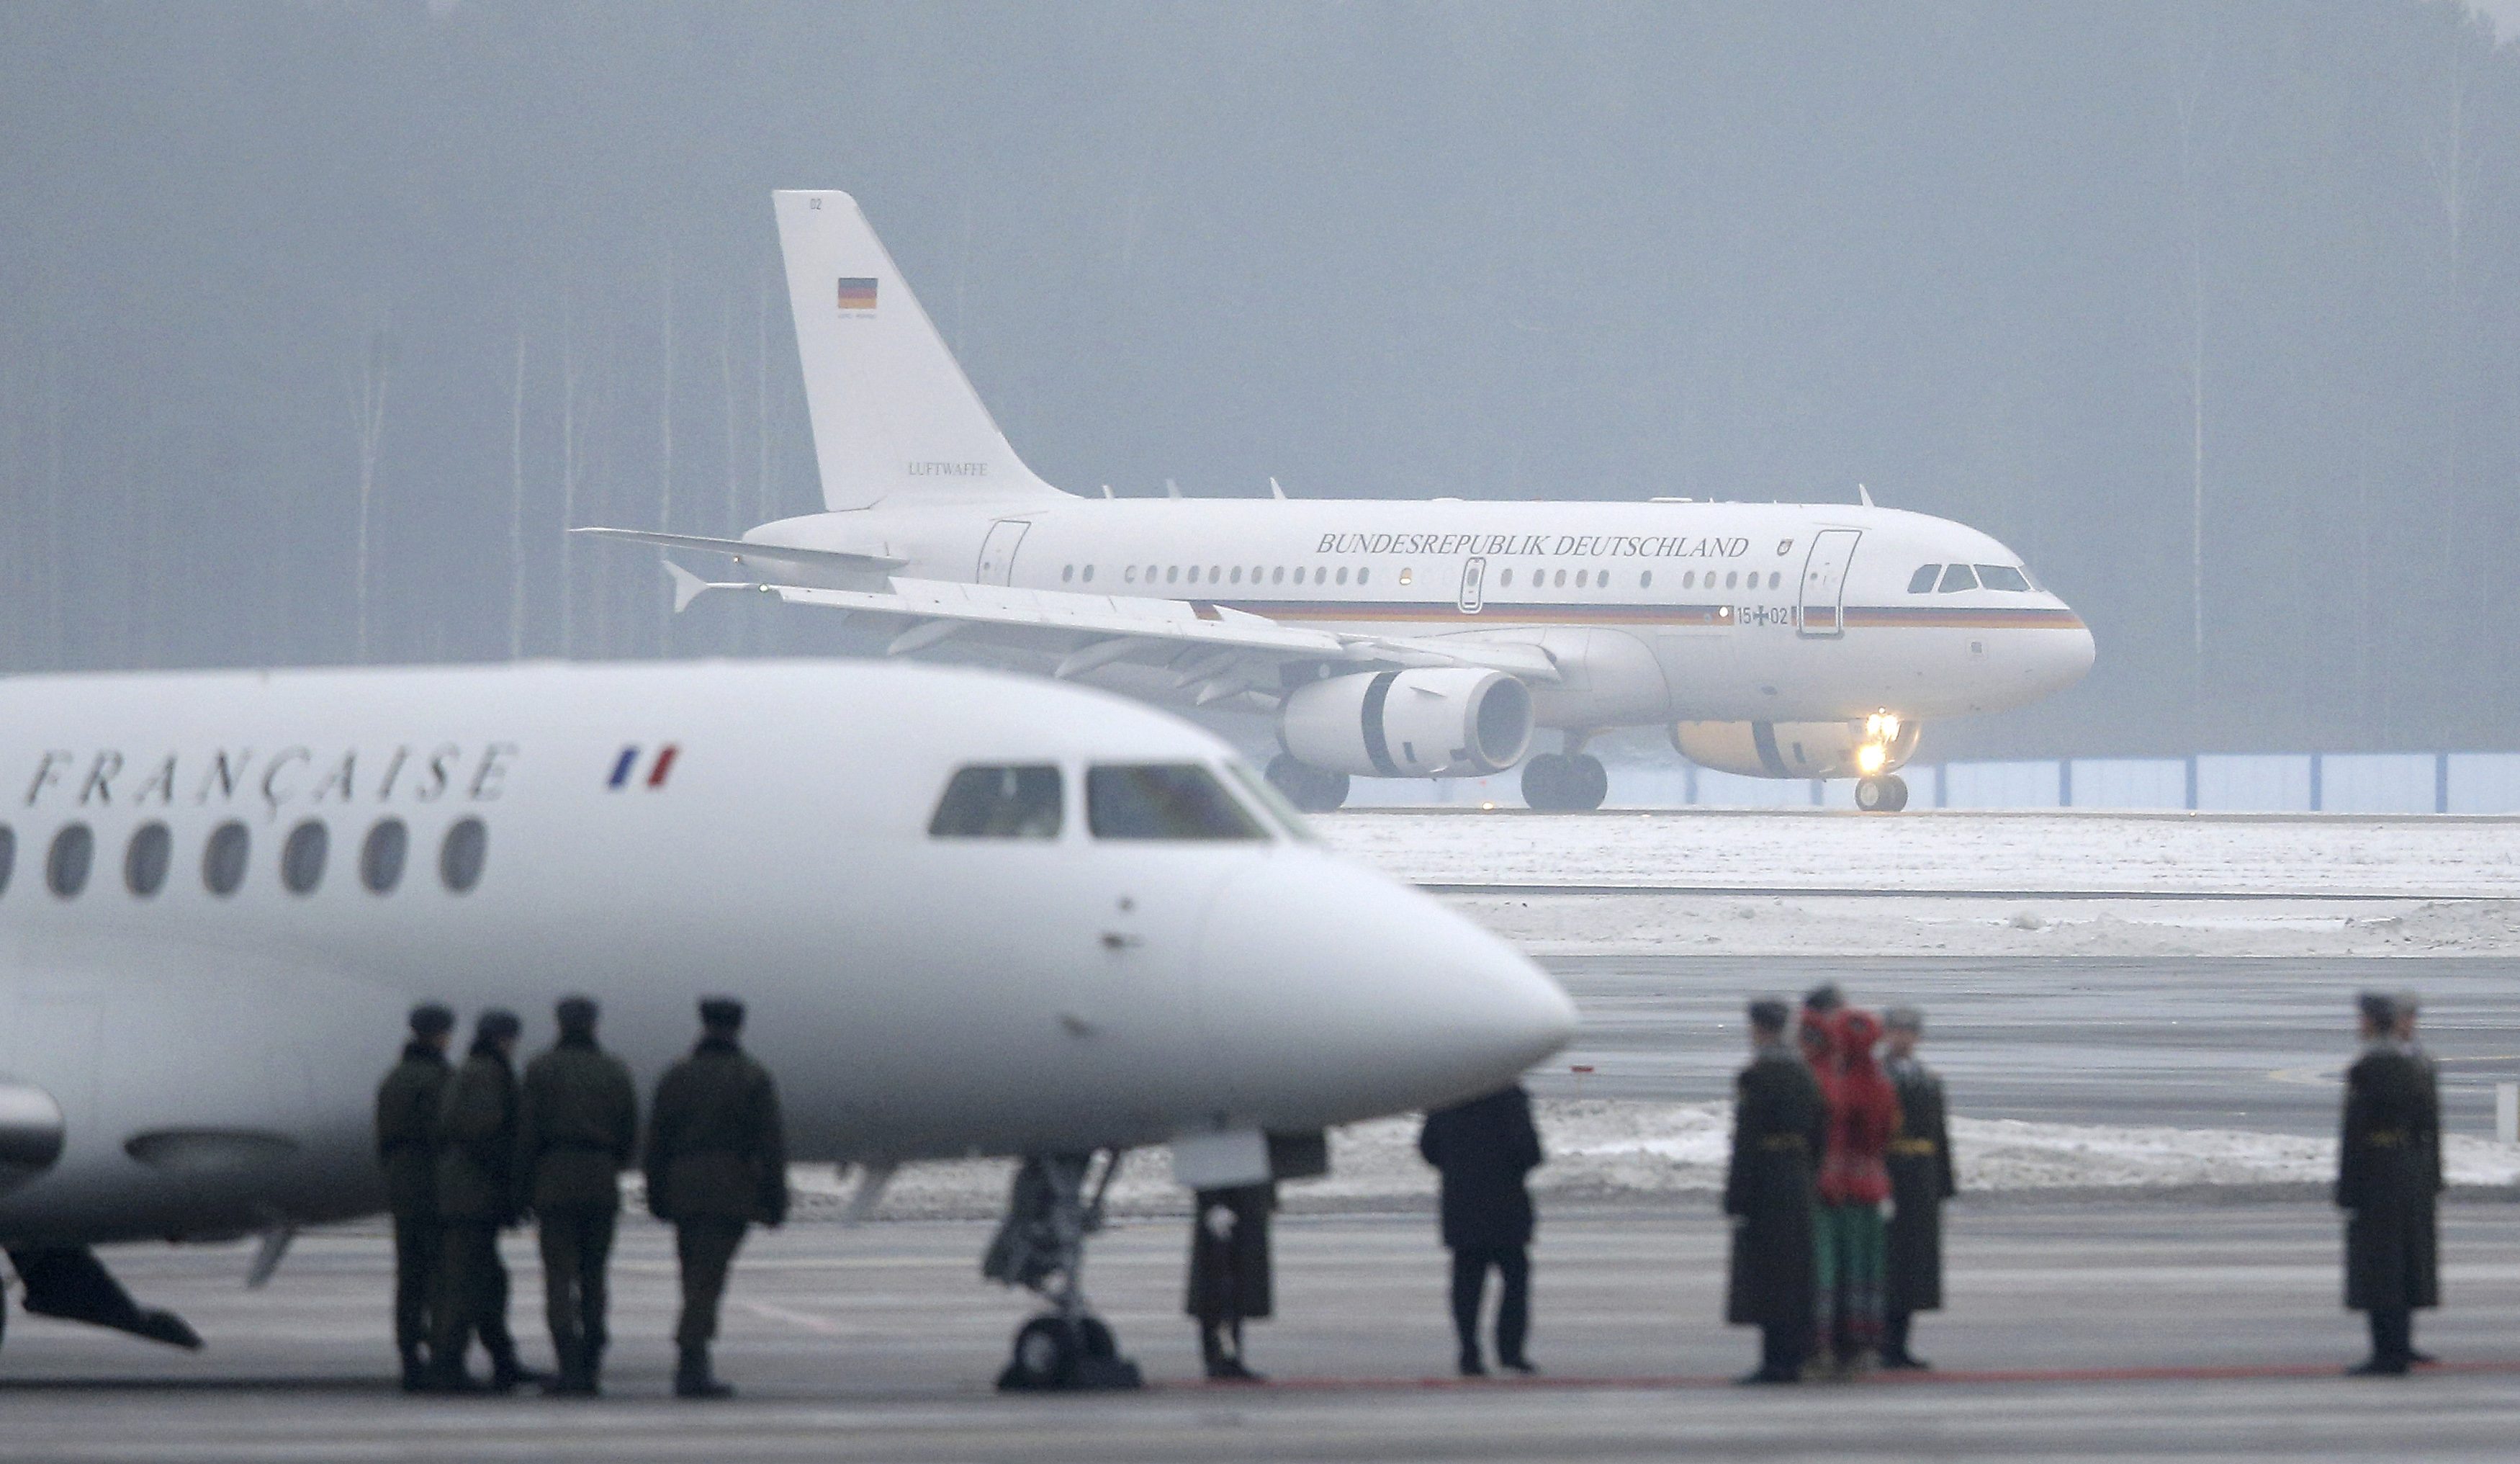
[(1606, 1150), (1811, 849)]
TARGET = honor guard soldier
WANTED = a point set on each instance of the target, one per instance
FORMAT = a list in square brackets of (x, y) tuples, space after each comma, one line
[(2381, 1178), (1484, 1149), (716, 1164), (1229, 1280), (1778, 1122), (2409, 1005), (1920, 1180), (476, 1151), (578, 1126), (407, 1105)]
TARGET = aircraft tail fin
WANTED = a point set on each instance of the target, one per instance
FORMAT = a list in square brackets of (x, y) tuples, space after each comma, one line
[(893, 416)]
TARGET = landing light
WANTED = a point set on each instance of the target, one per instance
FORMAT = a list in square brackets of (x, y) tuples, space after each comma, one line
[(1870, 758), (1881, 726)]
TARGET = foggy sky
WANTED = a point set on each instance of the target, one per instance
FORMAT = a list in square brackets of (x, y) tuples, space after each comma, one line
[(2043, 269)]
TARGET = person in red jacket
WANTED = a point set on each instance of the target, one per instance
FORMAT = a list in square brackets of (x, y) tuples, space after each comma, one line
[(1853, 1182)]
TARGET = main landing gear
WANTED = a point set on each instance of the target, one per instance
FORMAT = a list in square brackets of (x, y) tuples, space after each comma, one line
[(1886, 792), (1566, 783), (1039, 1245), (1305, 786)]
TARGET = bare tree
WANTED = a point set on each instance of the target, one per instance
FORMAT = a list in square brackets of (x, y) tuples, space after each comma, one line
[(375, 374)]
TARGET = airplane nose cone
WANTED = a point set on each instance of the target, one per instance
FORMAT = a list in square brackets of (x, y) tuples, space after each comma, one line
[(2073, 657), (1335, 994)]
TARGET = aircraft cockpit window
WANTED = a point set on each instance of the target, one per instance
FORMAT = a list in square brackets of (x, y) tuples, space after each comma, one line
[(1922, 582), (1269, 797), (302, 855), (999, 803), (1164, 800), (8, 855), (2002, 577), (72, 853), (223, 858), (146, 858), (1958, 577), (460, 856), (382, 856)]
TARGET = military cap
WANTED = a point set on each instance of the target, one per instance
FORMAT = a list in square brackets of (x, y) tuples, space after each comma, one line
[(1902, 1018), (497, 1025), (1825, 997), (2378, 1008), (1767, 1014), (575, 1013), (721, 1012), (430, 1019)]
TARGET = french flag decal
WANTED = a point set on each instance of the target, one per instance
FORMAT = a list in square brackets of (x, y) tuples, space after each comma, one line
[(626, 767)]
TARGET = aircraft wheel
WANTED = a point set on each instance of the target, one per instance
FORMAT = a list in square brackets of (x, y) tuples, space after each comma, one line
[(1545, 780), (1046, 1353), (1883, 795), (1588, 783), (1308, 787), (1898, 792)]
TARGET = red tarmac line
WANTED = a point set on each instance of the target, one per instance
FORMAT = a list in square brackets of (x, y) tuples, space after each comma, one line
[(2234, 1372)]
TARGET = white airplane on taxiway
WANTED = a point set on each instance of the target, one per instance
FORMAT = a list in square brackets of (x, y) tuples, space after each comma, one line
[(971, 914), (1387, 638)]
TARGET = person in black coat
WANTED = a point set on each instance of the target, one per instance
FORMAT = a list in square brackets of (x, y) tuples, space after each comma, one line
[(1779, 1123), (2425, 1221), (1920, 1180), (2381, 1177), (1483, 1149), (1230, 1281)]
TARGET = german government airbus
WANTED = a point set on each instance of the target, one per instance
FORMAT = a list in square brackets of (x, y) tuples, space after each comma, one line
[(1387, 639), (972, 913)]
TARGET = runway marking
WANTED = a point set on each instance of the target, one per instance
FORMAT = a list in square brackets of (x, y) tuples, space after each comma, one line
[(2304, 896), (808, 1321), (2193, 1373)]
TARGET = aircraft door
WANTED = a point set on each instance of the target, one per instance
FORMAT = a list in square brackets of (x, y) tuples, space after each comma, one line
[(998, 550), (1824, 582), (1474, 574)]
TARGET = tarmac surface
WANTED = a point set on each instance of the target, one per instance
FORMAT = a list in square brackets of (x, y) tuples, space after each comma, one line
[(2075, 1330), (2241, 1042)]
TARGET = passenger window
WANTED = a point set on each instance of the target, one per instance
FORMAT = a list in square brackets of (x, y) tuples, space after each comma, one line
[(1732, 578), (1278, 575), (1237, 574), (1504, 580), (1776, 578), (1343, 574), (1362, 575), (999, 803), (302, 855), (1066, 573), (1164, 800), (382, 856), (66, 867), (1089, 574), (1582, 577), (460, 856), (1560, 581), (1689, 581), (1129, 576), (1923, 579), (223, 858), (1644, 582), (8, 855), (1172, 575), (1321, 575), (1959, 578), (2002, 577), (145, 860)]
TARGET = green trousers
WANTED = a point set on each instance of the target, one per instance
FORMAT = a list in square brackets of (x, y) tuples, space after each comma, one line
[(1849, 1245), (577, 1247), (706, 1248)]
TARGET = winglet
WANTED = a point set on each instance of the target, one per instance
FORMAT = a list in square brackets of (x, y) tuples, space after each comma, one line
[(1276, 492), (688, 586), (1865, 493)]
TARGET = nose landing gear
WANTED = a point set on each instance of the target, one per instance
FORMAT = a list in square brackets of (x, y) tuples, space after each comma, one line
[(1039, 1245), (1884, 794)]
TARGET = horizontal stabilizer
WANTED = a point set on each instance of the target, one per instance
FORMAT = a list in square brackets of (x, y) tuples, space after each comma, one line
[(745, 549)]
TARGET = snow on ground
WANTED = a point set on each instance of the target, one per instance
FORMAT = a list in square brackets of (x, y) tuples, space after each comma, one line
[(2064, 851), (1613, 1149)]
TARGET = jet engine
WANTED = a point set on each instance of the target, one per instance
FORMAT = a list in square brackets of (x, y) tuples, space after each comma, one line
[(1443, 724), (1869, 748)]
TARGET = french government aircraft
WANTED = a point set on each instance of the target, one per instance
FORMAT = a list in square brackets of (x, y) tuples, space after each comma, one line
[(972, 914), (1387, 638)]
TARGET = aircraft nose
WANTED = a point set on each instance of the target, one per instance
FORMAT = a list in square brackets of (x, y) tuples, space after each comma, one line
[(2070, 658), (1336, 994)]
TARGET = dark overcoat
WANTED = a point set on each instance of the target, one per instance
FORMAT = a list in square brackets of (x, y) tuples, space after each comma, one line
[(477, 1140), (717, 1147), (407, 1107), (1228, 1274), (577, 1127), (1483, 1149), (1778, 1122), (1920, 1180), (2383, 1180)]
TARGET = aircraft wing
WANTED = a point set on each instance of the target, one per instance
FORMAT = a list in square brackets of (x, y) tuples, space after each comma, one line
[(746, 550), (1218, 650)]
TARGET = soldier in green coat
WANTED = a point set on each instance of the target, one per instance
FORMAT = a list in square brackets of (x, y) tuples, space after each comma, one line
[(2383, 1183), (407, 1103), (477, 1138), (1778, 1125), (577, 1128), (716, 1164)]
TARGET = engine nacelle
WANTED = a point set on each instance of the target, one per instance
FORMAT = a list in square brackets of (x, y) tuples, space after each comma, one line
[(1446, 723), (1799, 749)]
